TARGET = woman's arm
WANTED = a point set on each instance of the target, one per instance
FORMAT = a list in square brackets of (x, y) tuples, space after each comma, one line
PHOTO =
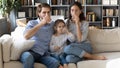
[(78, 31), (84, 31)]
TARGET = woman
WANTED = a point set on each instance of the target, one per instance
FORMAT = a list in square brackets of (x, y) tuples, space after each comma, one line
[(79, 27)]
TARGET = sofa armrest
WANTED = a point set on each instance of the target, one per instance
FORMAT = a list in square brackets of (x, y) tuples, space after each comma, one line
[(1, 59)]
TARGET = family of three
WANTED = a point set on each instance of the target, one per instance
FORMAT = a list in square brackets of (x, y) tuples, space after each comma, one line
[(51, 48)]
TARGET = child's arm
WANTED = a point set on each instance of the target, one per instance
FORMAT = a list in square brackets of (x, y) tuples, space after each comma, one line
[(70, 37), (53, 47)]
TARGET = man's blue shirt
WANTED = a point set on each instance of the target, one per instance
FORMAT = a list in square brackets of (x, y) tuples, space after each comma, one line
[(42, 37)]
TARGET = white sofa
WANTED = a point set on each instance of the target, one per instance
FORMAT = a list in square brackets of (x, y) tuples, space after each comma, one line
[(104, 42)]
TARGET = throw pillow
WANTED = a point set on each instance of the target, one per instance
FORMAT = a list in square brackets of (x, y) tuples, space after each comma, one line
[(20, 46)]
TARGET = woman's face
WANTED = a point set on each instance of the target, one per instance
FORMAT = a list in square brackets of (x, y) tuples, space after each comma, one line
[(75, 10)]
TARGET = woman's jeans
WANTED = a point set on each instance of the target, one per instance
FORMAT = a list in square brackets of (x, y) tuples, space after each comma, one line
[(76, 51), (28, 58)]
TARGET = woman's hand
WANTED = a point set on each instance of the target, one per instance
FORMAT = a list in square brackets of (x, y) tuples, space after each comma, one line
[(76, 18)]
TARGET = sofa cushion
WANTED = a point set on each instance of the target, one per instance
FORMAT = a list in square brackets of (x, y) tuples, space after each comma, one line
[(104, 39), (39, 65), (6, 45), (17, 64), (20, 46), (72, 65), (92, 64), (114, 63)]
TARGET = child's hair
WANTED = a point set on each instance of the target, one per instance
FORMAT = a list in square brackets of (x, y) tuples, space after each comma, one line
[(56, 24)]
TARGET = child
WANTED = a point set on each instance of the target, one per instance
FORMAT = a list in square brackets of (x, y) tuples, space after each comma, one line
[(58, 41)]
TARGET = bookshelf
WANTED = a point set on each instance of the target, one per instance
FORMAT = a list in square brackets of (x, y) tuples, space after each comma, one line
[(100, 13), (28, 9)]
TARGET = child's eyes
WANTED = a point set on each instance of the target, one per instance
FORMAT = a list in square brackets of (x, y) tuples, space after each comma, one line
[(61, 26)]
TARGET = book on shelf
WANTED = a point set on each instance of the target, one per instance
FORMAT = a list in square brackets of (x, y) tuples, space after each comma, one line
[(106, 2), (53, 2), (81, 1), (107, 22), (110, 2), (110, 12), (21, 14), (30, 12), (91, 2), (113, 2), (63, 12), (91, 16), (27, 2), (61, 2), (116, 12)]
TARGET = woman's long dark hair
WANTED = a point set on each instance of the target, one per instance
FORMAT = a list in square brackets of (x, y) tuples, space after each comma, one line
[(81, 16)]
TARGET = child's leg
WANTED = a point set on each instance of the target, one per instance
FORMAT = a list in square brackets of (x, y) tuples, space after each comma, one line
[(62, 58)]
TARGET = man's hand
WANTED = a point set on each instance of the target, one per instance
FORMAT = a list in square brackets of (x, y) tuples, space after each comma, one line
[(47, 19)]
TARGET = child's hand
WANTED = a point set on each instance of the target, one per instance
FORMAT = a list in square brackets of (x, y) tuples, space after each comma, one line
[(65, 30), (56, 48)]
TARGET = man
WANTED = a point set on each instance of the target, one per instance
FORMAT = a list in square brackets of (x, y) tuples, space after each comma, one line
[(41, 31)]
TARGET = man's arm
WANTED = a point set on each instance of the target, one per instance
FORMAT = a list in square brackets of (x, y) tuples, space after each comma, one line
[(29, 33)]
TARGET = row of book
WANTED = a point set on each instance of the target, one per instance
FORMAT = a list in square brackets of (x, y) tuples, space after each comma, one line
[(93, 2), (81, 1), (91, 16), (63, 12), (27, 2), (61, 2), (109, 22), (110, 12), (110, 2), (29, 12)]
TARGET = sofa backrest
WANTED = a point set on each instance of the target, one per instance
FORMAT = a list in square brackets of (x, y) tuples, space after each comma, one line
[(104, 40)]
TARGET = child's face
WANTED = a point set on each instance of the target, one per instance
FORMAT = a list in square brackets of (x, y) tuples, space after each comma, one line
[(60, 28)]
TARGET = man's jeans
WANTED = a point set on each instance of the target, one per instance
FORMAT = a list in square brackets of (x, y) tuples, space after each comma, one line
[(28, 59)]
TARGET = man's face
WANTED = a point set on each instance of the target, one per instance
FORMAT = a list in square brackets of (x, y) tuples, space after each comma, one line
[(44, 12)]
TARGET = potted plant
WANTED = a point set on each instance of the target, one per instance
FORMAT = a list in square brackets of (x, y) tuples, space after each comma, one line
[(6, 6)]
